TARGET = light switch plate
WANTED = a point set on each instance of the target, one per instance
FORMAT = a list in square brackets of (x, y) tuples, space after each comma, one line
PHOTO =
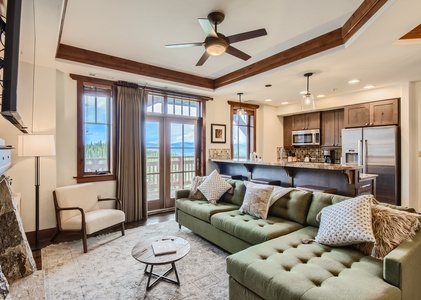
[(419, 153)]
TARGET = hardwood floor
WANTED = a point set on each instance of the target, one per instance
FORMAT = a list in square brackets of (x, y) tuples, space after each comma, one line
[(66, 237)]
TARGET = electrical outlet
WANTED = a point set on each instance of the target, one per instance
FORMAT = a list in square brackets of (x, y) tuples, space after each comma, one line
[(419, 153)]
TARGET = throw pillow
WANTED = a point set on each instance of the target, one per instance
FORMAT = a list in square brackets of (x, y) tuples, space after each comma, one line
[(346, 223), (391, 227), (194, 192), (256, 200), (213, 187)]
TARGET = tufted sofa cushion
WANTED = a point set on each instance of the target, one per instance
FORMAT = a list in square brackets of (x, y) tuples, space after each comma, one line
[(293, 270), (202, 209), (319, 201), (252, 229), (238, 195), (293, 206)]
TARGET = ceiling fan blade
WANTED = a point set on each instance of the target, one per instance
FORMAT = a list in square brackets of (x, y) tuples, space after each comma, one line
[(183, 45), (240, 54), (246, 35), (202, 60), (207, 27)]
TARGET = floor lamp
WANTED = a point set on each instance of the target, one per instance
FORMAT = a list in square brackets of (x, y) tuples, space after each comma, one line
[(37, 146)]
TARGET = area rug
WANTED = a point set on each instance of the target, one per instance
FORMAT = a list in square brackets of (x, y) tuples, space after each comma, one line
[(108, 271)]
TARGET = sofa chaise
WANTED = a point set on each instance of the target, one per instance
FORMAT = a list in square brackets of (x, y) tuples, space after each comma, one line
[(277, 258)]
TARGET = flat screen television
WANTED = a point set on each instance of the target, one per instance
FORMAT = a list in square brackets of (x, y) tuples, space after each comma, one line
[(9, 105)]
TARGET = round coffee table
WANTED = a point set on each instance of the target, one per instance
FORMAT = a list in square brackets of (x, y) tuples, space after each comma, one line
[(143, 252)]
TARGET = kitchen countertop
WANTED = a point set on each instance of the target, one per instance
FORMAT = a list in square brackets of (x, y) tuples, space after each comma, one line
[(306, 165)]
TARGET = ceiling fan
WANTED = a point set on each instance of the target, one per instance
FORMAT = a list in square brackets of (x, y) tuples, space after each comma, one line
[(216, 43)]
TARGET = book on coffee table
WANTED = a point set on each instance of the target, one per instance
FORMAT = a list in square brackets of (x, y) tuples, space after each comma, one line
[(163, 247)]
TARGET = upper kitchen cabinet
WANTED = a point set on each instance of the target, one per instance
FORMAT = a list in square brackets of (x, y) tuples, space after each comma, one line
[(306, 121), (288, 132), (332, 125), (384, 112), (376, 113)]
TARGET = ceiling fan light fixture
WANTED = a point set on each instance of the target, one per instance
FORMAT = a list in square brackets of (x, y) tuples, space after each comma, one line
[(216, 47), (307, 102)]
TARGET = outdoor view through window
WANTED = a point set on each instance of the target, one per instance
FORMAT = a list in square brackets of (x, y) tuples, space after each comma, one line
[(97, 129)]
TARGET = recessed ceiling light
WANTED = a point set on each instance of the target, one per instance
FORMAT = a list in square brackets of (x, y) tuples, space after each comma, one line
[(354, 81), (283, 103), (268, 100), (303, 92), (321, 96), (369, 86)]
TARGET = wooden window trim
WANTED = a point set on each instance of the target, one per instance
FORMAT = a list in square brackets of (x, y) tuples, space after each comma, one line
[(251, 111), (81, 176)]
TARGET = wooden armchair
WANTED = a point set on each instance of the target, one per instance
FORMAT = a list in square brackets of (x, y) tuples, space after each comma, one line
[(77, 210)]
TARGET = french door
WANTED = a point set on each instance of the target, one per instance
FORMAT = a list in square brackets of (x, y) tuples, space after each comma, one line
[(173, 158)]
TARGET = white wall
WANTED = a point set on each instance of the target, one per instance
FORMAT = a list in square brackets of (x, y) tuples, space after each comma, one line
[(23, 171), (269, 128)]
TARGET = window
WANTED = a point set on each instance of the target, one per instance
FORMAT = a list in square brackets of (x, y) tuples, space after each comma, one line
[(243, 130), (96, 132)]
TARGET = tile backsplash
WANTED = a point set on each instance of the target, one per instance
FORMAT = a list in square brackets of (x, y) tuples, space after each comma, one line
[(316, 153), (219, 153)]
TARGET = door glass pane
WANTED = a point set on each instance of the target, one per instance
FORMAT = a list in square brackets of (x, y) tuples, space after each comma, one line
[(152, 160), (182, 150)]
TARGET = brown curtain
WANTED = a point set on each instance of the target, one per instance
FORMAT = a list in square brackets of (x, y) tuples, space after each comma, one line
[(131, 158)]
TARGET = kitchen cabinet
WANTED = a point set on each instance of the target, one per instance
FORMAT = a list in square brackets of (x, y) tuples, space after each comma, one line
[(385, 112), (288, 132), (306, 121), (331, 127)]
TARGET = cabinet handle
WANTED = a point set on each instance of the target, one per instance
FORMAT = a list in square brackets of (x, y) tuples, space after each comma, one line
[(365, 186), (366, 124), (371, 124)]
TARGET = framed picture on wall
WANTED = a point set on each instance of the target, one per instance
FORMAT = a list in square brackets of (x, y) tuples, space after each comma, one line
[(218, 133)]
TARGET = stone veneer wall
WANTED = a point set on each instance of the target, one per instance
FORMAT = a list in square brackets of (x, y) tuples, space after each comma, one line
[(16, 258)]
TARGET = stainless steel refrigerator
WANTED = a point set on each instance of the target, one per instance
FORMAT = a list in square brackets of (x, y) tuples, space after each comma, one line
[(377, 149)]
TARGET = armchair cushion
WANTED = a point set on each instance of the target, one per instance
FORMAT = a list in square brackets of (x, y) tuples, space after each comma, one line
[(80, 195), (95, 220)]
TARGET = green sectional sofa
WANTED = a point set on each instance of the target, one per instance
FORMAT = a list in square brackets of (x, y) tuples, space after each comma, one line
[(271, 261)]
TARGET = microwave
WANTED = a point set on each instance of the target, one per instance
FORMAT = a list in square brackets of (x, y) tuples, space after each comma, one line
[(306, 137)]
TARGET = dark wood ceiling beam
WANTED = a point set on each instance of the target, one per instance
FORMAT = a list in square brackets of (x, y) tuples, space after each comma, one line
[(363, 13), (116, 63), (413, 34), (306, 49)]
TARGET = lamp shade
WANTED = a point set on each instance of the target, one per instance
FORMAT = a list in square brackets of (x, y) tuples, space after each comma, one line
[(36, 145)]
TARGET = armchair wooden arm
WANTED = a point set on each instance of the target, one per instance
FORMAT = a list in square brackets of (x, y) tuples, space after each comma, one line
[(118, 202)]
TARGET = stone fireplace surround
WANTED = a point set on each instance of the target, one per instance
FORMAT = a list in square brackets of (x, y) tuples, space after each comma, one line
[(16, 260)]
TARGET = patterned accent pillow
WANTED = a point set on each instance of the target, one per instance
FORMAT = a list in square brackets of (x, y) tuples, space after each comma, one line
[(194, 192), (256, 200), (391, 227), (213, 187), (346, 223)]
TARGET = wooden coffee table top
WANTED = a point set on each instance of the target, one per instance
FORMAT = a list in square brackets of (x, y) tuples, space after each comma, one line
[(143, 251)]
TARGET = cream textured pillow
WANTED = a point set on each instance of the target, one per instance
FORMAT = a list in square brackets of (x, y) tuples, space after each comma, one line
[(391, 227), (346, 223), (194, 192), (256, 200), (213, 187)]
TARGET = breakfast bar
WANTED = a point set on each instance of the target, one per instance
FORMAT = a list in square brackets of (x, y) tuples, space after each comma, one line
[(346, 179)]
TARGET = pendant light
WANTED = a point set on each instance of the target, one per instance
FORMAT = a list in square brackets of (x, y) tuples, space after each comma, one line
[(240, 110), (307, 103)]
